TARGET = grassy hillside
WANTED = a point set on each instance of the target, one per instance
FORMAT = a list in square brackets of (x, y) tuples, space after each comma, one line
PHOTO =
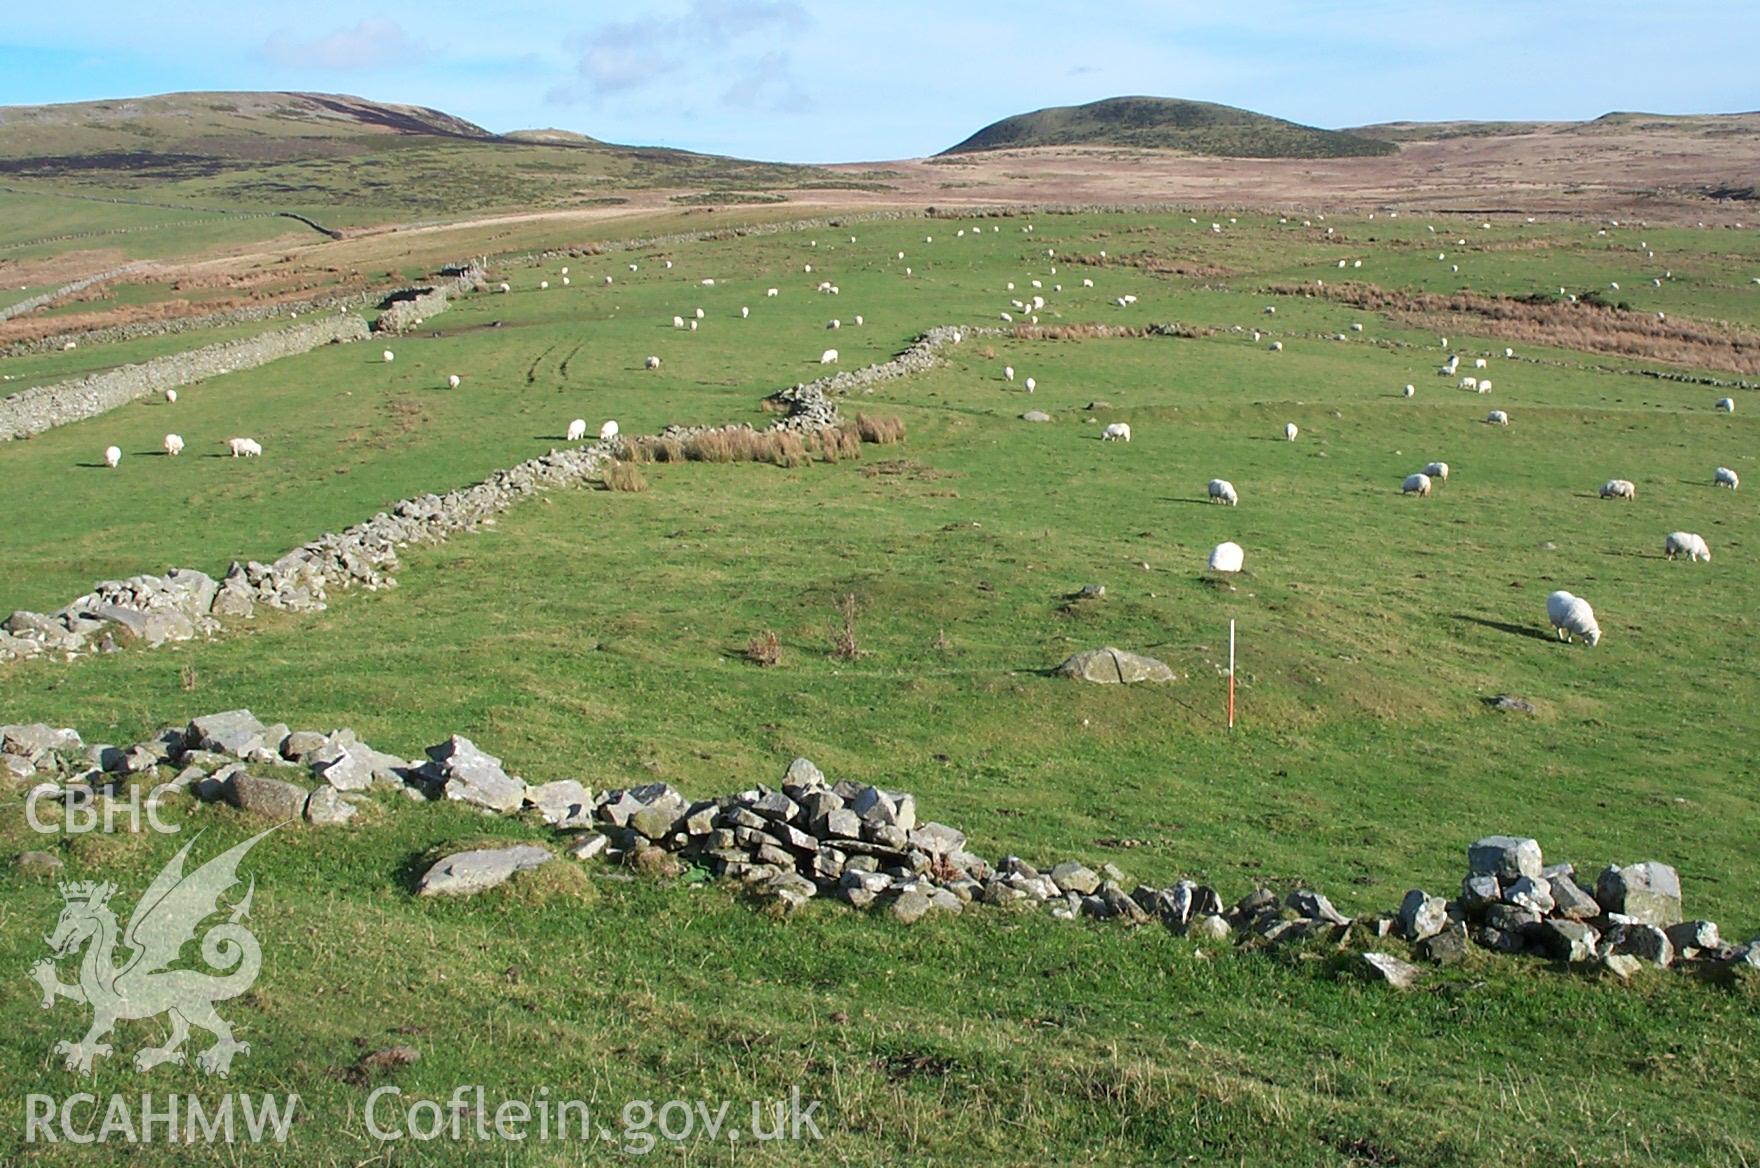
[(600, 636), (305, 151), (1198, 127)]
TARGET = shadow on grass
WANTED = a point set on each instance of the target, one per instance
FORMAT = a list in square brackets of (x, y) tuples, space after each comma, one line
[(1505, 627)]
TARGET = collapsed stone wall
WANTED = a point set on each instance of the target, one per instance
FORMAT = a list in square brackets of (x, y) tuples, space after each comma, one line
[(808, 838), (36, 302), (45, 407)]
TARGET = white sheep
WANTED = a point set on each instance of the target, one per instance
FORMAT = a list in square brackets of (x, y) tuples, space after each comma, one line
[(607, 281), (1509, 352), (1222, 491), (173, 444), (1726, 405), (1470, 383), (1271, 310), (577, 430), (744, 312), (608, 431), (1480, 363), (1116, 432), (678, 322), (1227, 557), (1685, 543), (1437, 470), (1572, 614), (544, 285), (1497, 418), (652, 363), (1726, 477), (1484, 385), (709, 283), (244, 447), (388, 356), (171, 396), (1277, 346), (1087, 283), (453, 382), (1290, 431), (828, 357), (1410, 390), (506, 287), (834, 323), (1416, 484), (1619, 489), (1031, 384), (565, 271), (112, 456), (772, 291), (1008, 373), (700, 314), (694, 326)]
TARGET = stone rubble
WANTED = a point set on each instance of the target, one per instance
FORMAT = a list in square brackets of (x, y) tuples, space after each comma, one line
[(868, 847)]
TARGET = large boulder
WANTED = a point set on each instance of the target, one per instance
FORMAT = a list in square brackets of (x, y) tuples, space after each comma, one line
[(271, 798), (1111, 666), (234, 732), (466, 873), (1506, 857), (563, 803), (472, 776), (1422, 915), (1649, 892)]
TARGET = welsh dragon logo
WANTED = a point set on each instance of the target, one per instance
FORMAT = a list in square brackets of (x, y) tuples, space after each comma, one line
[(166, 918)]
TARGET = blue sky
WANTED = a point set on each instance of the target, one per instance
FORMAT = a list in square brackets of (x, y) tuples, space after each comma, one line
[(817, 80)]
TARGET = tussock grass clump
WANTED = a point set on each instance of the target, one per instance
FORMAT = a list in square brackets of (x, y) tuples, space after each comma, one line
[(765, 649), (880, 431), (623, 476), (844, 644), (837, 444)]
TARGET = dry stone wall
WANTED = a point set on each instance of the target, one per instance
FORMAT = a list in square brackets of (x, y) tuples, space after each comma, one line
[(45, 407)]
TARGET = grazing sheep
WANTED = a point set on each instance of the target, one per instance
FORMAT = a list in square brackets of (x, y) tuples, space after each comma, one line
[(1290, 431), (1726, 405), (1277, 346), (1572, 614), (577, 430), (693, 326), (453, 382), (1410, 390), (1031, 385), (1727, 478), (1116, 431), (1222, 491), (744, 312), (828, 357), (1008, 373), (772, 292), (543, 285), (1685, 543), (1271, 310), (112, 456), (700, 314), (608, 431), (1087, 283), (1497, 418), (244, 447), (1484, 385), (1619, 489), (173, 444), (1470, 383), (171, 396), (1480, 363), (1509, 352), (834, 323), (388, 356), (608, 281), (1226, 557), (709, 283), (506, 287), (1437, 470), (1416, 484), (678, 322), (565, 271), (652, 363)]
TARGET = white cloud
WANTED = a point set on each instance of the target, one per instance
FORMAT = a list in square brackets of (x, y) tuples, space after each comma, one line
[(621, 57), (374, 43)]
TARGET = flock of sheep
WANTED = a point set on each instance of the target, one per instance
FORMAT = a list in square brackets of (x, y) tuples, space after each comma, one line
[(1569, 615)]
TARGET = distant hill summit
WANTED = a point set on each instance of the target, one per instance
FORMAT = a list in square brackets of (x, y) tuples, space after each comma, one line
[(1164, 123), (219, 115)]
